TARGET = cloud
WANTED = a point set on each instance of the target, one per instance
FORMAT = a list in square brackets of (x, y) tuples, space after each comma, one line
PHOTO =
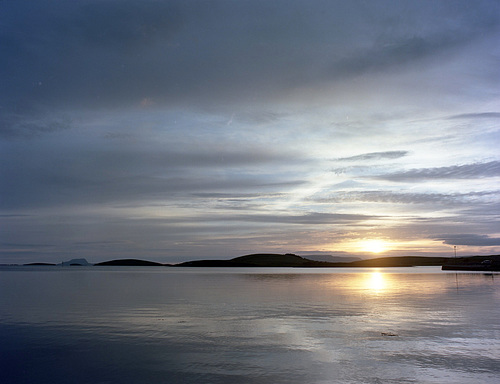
[(132, 25), (72, 190), (107, 53), (390, 197), (468, 239), (315, 218), (275, 217), (467, 171), (383, 57), (375, 156), (49, 176), (25, 245), (483, 115), (12, 127), (221, 195), (14, 215)]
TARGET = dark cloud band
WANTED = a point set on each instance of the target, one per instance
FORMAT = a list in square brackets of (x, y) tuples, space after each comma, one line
[(469, 239)]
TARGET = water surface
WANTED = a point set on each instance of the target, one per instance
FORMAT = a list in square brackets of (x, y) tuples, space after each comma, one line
[(259, 325)]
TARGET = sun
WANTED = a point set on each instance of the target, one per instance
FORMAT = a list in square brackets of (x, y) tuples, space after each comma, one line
[(374, 246)]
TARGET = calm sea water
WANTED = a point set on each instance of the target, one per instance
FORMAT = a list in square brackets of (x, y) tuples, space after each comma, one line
[(173, 325)]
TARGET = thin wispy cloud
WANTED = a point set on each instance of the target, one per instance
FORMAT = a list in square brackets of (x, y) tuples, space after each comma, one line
[(472, 116), (376, 156), (407, 197), (315, 218), (467, 171)]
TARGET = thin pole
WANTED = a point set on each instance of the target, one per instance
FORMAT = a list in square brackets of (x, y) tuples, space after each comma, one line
[(455, 248)]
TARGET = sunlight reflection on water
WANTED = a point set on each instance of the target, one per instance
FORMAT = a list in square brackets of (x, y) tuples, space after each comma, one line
[(376, 282)]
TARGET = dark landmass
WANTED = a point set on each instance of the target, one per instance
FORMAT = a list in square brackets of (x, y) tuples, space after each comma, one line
[(478, 267), (50, 264), (274, 260), (470, 263), (473, 263), (333, 259), (254, 260), (130, 263), (213, 263), (401, 261), (291, 260)]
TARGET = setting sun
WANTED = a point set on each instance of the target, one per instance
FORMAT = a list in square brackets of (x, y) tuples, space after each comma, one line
[(374, 246)]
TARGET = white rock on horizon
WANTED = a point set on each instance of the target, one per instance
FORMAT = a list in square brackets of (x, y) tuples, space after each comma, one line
[(82, 262)]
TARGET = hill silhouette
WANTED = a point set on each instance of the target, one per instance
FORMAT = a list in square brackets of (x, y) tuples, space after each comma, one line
[(254, 260), (397, 261), (130, 263), (273, 260)]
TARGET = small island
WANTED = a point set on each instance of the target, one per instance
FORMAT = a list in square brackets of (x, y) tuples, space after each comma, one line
[(129, 263)]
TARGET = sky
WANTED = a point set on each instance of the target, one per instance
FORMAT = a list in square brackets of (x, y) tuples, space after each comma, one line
[(181, 130)]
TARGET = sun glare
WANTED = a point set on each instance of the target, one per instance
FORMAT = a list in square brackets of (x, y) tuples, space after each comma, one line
[(376, 281), (374, 246)]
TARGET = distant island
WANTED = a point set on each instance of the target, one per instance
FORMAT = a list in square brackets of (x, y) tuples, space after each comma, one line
[(130, 263)]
